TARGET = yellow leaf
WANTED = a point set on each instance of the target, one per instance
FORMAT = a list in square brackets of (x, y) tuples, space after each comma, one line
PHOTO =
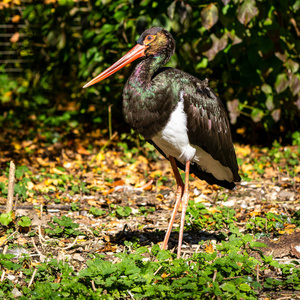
[(157, 173), (143, 159), (297, 169), (254, 213), (246, 168), (243, 150), (213, 210), (3, 179), (57, 171), (118, 162), (17, 146), (41, 161), (2, 239), (30, 185), (199, 199), (209, 249), (159, 197)]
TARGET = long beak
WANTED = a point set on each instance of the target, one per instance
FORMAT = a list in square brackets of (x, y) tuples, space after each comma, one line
[(136, 52)]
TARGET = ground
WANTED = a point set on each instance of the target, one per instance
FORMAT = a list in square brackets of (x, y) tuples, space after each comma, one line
[(122, 199)]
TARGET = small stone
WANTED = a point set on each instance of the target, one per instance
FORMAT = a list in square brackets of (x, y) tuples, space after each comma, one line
[(78, 257), (286, 194)]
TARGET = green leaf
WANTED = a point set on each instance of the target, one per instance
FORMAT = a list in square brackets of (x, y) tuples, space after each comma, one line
[(171, 10), (97, 212), (292, 65), (296, 5), (229, 286), (244, 287), (164, 255), (269, 102), (257, 114), (267, 89), (123, 211), (24, 222), (5, 219), (257, 244), (247, 11), (209, 16), (281, 83)]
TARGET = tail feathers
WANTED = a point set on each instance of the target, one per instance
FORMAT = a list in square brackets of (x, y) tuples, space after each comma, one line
[(208, 177)]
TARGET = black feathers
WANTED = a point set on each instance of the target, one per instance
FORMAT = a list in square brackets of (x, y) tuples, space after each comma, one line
[(152, 93)]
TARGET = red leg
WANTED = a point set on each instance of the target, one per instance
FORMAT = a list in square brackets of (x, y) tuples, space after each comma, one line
[(185, 201), (180, 188)]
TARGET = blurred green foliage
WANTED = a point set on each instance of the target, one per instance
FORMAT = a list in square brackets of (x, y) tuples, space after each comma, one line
[(249, 49)]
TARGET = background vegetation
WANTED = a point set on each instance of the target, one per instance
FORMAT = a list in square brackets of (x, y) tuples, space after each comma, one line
[(248, 49)]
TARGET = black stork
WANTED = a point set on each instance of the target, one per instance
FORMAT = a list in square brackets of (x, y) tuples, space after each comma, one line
[(180, 115)]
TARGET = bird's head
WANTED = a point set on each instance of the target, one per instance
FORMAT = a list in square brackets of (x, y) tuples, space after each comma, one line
[(157, 40), (152, 42)]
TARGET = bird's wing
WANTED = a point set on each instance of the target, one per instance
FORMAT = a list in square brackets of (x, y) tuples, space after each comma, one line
[(209, 178), (207, 123)]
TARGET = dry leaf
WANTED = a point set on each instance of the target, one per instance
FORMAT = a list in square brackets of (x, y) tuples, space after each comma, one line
[(209, 249), (2, 239), (81, 150)]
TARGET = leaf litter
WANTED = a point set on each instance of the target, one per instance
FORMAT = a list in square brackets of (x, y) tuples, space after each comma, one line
[(92, 197)]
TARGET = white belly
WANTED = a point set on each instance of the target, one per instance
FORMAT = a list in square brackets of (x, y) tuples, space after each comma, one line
[(173, 141)]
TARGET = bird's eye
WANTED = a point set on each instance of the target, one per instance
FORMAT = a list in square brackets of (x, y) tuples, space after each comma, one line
[(149, 39)]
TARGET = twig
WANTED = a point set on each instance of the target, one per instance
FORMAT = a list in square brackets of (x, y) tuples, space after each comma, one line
[(35, 247), (157, 270), (93, 286), (229, 278), (3, 275), (130, 294), (215, 274), (16, 202), (32, 277), (49, 207), (41, 237), (88, 230), (109, 121), (11, 185), (9, 237), (70, 246), (257, 272), (5, 249)]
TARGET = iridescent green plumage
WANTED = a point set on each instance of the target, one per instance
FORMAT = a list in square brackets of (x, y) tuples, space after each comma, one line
[(152, 93)]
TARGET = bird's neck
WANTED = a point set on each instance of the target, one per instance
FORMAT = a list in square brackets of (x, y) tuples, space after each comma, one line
[(146, 68)]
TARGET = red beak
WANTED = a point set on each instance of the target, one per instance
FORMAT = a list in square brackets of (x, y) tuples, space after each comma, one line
[(136, 52)]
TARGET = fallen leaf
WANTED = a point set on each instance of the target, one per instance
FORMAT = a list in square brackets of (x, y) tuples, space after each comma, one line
[(81, 150), (209, 248), (2, 239), (78, 257)]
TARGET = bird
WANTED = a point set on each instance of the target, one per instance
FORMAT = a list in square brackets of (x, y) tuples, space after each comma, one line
[(180, 115)]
